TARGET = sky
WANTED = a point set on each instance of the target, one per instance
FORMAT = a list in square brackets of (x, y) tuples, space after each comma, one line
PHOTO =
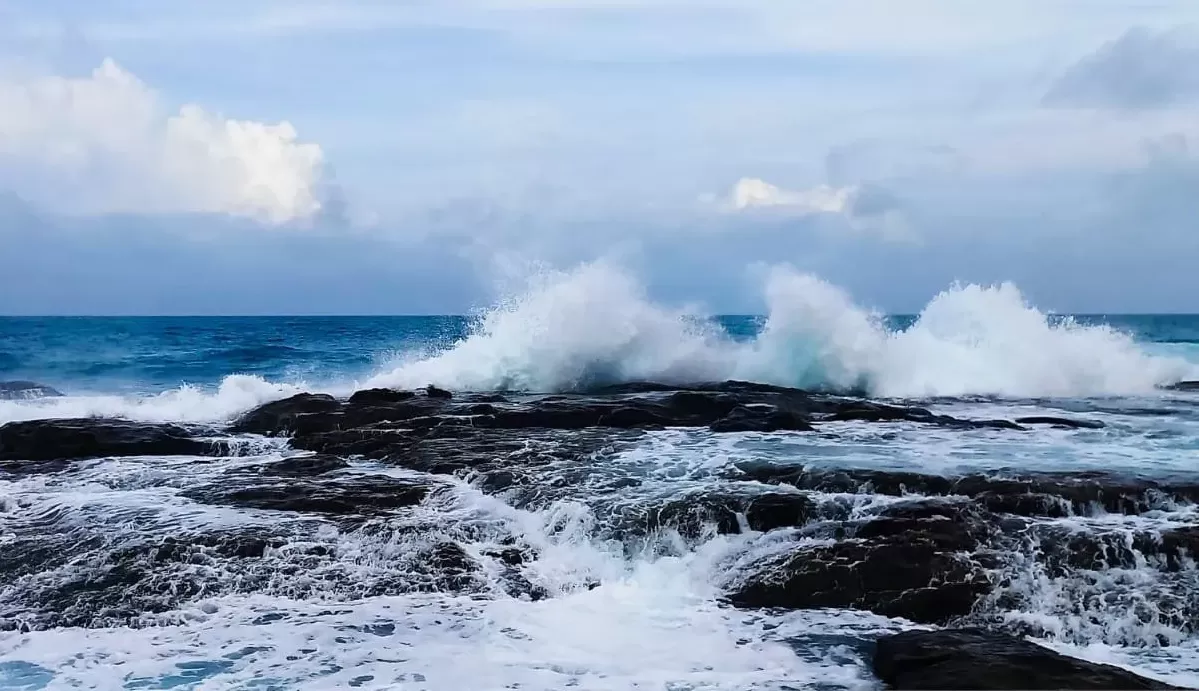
[(365, 157)]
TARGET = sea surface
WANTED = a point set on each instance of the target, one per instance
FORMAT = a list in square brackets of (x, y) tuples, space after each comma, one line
[(647, 618)]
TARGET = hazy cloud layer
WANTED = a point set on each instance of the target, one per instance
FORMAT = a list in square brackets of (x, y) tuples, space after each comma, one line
[(1141, 69), (890, 147)]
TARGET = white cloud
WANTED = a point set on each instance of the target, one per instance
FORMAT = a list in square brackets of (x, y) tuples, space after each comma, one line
[(752, 192), (105, 143), (867, 208)]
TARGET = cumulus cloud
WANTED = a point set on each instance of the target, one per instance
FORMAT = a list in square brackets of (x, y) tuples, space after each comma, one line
[(1141, 69), (105, 143), (864, 207)]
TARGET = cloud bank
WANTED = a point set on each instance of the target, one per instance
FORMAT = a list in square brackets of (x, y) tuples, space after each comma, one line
[(105, 143), (1140, 69)]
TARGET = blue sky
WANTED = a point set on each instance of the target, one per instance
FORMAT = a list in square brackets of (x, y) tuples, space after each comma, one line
[(363, 156)]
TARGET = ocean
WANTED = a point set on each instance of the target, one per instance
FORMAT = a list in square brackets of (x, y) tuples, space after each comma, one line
[(139, 571)]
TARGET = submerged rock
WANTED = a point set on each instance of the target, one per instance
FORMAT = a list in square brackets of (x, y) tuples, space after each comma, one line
[(978, 659), (26, 390), (49, 440)]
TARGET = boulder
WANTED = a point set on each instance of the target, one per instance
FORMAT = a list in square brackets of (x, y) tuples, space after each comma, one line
[(978, 659)]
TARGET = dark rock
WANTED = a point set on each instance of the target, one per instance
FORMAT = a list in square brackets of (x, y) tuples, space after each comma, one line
[(692, 515), (306, 466), (26, 390), (342, 495), (978, 659), (380, 397), (281, 417), (512, 556), (49, 440), (434, 392), (912, 561), (1184, 386), (1060, 422), (1028, 494), (778, 510), (742, 419)]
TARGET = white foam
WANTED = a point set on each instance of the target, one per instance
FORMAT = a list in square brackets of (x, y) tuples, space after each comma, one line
[(235, 394), (595, 325)]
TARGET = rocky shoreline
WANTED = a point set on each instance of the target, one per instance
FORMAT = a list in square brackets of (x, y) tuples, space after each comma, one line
[(940, 552)]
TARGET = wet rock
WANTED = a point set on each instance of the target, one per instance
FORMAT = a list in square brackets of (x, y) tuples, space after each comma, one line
[(1028, 494), (304, 466), (692, 516), (343, 495), (912, 561), (978, 659), (1184, 386), (742, 419), (769, 511), (434, 392), (22, 390), (371, 397), (1064, 422), (1178, 547), (49, 440), (281, 417), (723, 407)]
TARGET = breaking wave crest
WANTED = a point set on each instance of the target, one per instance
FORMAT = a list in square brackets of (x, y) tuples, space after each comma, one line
[(594, 325)]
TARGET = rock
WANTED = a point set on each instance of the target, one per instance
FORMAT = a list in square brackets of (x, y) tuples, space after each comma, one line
[(380, 397), (281, 417), (305, 466), (434, 392), (1191, 385), (742, 419), (344, 495), (48, 440), (1026, 494), (912, 562), (26, 390), (1060, 422), (773, 510), (978, 659)]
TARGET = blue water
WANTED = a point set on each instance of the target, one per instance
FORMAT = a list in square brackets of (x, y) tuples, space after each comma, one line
[(654, 621), (142, 355)]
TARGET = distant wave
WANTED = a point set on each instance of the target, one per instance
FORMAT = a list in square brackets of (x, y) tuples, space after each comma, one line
[(594, 325)]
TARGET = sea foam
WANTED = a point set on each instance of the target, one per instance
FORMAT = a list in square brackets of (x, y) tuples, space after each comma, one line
[(595, 325)]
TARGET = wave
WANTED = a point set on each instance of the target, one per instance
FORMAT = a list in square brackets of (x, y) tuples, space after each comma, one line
[(595, 325), (187, 404)]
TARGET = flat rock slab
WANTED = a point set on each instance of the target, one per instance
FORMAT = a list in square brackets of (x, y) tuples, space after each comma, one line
[(79, 438), (979, 659)]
